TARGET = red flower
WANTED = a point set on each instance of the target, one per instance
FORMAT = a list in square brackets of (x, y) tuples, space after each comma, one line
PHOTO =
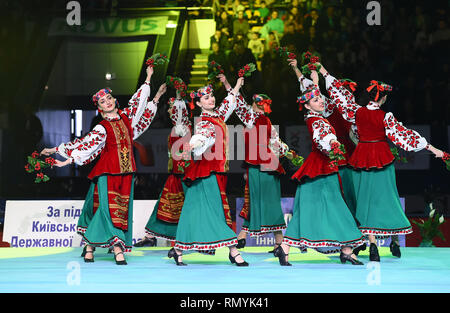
[(241, 73), (37, 167), (311, 66), (35, 154), (291, 56), (314, 59), (40, 175)]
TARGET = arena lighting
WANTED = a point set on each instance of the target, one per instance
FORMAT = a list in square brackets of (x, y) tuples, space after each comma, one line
[(110, 76)]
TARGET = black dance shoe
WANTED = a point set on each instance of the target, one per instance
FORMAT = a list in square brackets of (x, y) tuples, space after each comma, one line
[(123, 262), (395, 249), (373, 253), (276, 246), (281, 256), (233, 260), (173, 254), (359, 248), (146, 242), (348, 257), (241, 243), (83, 254)]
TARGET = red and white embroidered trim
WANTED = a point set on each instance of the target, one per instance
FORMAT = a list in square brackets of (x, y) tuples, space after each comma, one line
[(322, 244), (112, 242), (263, 230), (381, 233), (205, 246)]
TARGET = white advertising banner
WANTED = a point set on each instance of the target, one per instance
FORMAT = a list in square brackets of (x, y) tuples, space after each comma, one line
[(53, 223)]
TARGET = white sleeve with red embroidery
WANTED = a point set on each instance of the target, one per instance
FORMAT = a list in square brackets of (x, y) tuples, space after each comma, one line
[(407, 139), (141, 123), (227, 106), (306, 83), (137, 104), (205, 136), (83, 151), (277, 146), (342, 98), (322, 135), (180, 118), (244, 111)]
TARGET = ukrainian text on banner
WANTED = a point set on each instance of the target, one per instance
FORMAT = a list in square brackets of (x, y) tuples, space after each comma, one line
[(111, 27), (53, 223), (287, 207)]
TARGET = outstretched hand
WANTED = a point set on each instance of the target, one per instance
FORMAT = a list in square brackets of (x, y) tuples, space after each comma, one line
[(59, 163), (239, 84), (224, 81), (48, 151)]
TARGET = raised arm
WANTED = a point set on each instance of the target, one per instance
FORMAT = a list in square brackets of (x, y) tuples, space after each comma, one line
[(229, 103), (245, 112), (141, 123), (341, 97)]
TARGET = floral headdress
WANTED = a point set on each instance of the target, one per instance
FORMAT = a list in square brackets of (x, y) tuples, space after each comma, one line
[(380, 87), (199, 93), (263, 100), (99, 94), (311, 93)]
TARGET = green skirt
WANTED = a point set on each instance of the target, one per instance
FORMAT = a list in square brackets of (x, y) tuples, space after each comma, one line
[(202, 225), (321, 220), (266, 215), (161, 229), (97, 229), (378, 208), (348, 188)]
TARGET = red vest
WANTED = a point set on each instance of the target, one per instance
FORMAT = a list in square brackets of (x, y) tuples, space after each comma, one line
[(117, 156), (373, 150), (215, 158), (317, 163), (257, 151)]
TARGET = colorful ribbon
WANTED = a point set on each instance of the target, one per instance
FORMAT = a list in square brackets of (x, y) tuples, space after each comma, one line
[(380, 87)]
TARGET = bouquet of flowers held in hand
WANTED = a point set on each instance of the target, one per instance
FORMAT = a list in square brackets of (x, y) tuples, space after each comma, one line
[(178, 84), (397, 156), (185, 158), (446, 159), (157, 59), (38, 165), (283, 52), (336, 154), (429, 229), (247, 70), (214, 69), (296, 160), (309, 61)]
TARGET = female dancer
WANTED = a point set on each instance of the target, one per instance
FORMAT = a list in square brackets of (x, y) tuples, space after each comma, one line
[(321, 220), (343, 134), (262, 211), (205, 221), (107, 215), (166, 213), (372, 162)]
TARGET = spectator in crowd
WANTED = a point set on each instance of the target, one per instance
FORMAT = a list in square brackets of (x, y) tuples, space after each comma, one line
[(240, 24), (275, 25), (225, 22), (256, 46), (219, 39), (239, 56), (263, 10), (272, 41), (219, 56), (311, 19)]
